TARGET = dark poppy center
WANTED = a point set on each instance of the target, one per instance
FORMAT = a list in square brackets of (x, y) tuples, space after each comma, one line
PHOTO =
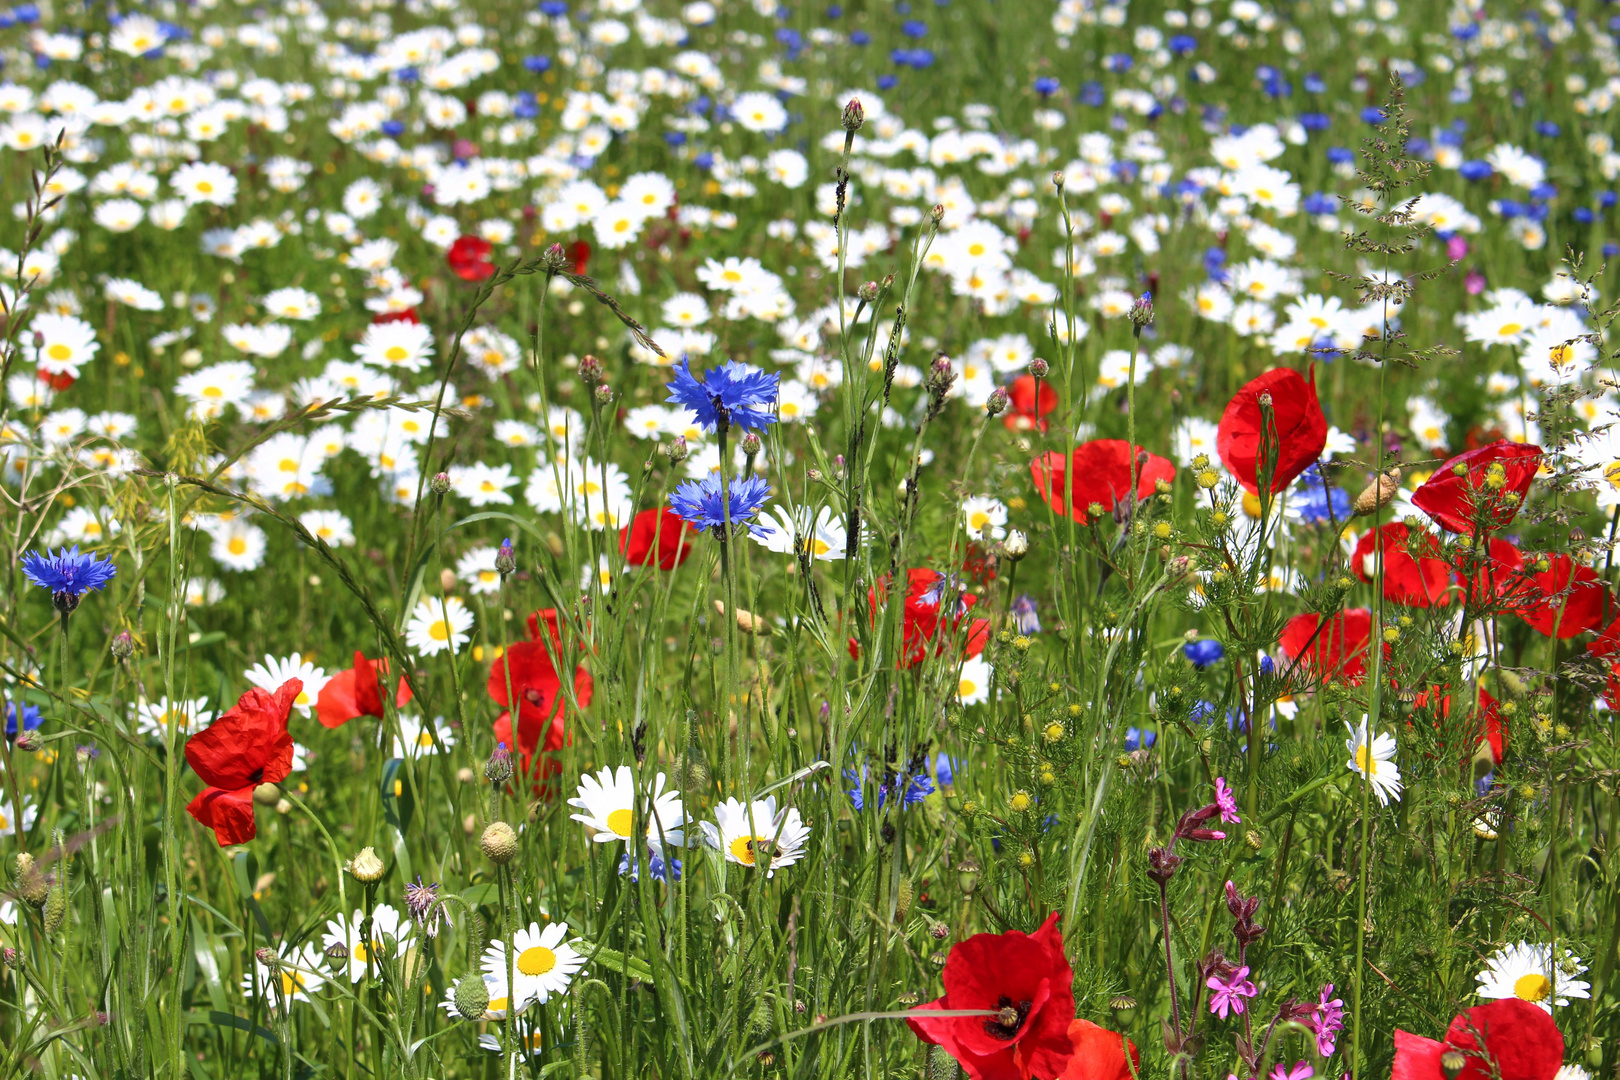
[(257, 777), (1008, 1020), (534, 697)]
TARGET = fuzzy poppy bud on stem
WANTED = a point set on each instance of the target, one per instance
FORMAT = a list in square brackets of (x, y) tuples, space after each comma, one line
[(472, 996), (499, 843)]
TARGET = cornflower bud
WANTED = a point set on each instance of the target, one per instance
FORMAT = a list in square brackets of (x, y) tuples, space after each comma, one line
[(868, 291), (1057, 179), (937, 214), (677, 450), (602, 394), (751, 444), (265, 955), (498, 770), (505, 559), (854, 116), (591, 372), (29, 741), (554, 259), (1039, 368), (440, 484), (1141, 313), (123, 645), (998, 402)]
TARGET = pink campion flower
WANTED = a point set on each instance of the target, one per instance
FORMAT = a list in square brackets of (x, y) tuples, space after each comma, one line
[(1326, 1020), (1301, 1071), (1226, 800), (1226, 995)]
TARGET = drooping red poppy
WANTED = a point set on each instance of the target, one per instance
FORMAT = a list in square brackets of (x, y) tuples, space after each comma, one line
[(1100, 474), (1099, 1054), (1566, 598), (657, 537), (542, 727), (1298, 428), (247, 746), (1339, 651), (1026, 980), (923, 623), (469, 258), (1520, 1043), (1028, 409), (1489, 484), (356, 692), (1420, 582)]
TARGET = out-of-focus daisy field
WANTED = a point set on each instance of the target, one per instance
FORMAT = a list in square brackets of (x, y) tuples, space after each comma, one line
[(888, 538)]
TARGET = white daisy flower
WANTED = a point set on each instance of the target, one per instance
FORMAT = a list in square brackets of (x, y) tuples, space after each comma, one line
[(542, 963), (608, 799), (1378, 765), (439, 624), (297, 972), (744, 831), (418, 736), (1531, 973), (385, 920), (273, 672)]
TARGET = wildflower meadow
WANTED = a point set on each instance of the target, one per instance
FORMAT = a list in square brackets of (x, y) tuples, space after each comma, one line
[(899, 539)]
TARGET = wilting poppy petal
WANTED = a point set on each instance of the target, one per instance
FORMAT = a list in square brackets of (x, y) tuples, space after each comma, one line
[(1421, 582), (1492, 486), (1298, 423)]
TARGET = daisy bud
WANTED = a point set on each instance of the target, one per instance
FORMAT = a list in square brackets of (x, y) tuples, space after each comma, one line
[(1265, 399), (854, 116), (998, 402), (123, 645), (498, 770), (1039, 368), (440, 484), (366, 867), (554, 259), (868, 291), (591, 372), (505, 559), (1016, 546), (499, 843), (677, 450), (472, 996)]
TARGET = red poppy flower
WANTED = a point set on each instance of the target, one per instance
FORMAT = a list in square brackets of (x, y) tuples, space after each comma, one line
[(469, 258), (1492, 484), (1566, 597), (356, 692), (1421, 582), (1607, 645), (408, 315), (542, 729), (1339, 651), (1026, 980), (1298, 426), (1520, 1043), (58, 381), (1484, 727), (1099, 1054), (1101, 474), (656, 538), (921, 621), (1029, 409), (582, 257), (1500, 581), (249, 745)]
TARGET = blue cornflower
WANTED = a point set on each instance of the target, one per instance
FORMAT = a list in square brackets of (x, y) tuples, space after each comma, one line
[(1339, 155), (914, 28), (911, 788), (1092, 93), (945, 769), (731, 395), (537, 64), (1202, 652), (1373, 114), (1025, 615), (663, 867), (1611, 249), (1315, 84), (1046, 86), (1183, 44), (887, 81), (1474, 170), (67, 574), (1315, 121), (1318, 203), (30, 718), (553, 8), (698, 502), (1138, 739), (859, 37), (1317, 500)]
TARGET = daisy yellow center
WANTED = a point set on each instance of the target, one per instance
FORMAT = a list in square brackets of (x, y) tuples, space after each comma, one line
[(975, 249), (5, 822), (237, 545), (789, 409), (439, 631), (302, 698), (732, 275), (213, 392), (1532, 987), (619, 822), (59, 352), (291, 983), (360, 954), (396, 353), (496, 1005), (1366, 762), (966, 688), (817, 546), (488, 577), (92, 528), (1263, 194), (1509, 329), (288, 465), (205, 187), (537, 960), (1251, 504), (742, 849), (978, 520), (1559, 355), (425, 740), (622, 225)]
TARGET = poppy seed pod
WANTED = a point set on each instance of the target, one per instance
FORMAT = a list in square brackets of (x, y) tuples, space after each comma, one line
[(499, 843), (366, 867), (472, 996)]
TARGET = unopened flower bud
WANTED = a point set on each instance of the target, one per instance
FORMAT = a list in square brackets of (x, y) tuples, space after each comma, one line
[(602, 394), (854, 116), (590, 370), (868, 291), (472, 996), (29, 741), (265, 955), (1016, 546), (505, 558), (56, 907), (366, 867), (440, 484), (751, 444), (937, 214), (123, 645), (967, 876), (28, 881), (998, 402), (337, 953), (1057, 179), (1265, 399), (498, 770), (677, 450), (1142, 310), (499, 843), (1039, 368), (267, 795), (1452, 1062), (554, 259)]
